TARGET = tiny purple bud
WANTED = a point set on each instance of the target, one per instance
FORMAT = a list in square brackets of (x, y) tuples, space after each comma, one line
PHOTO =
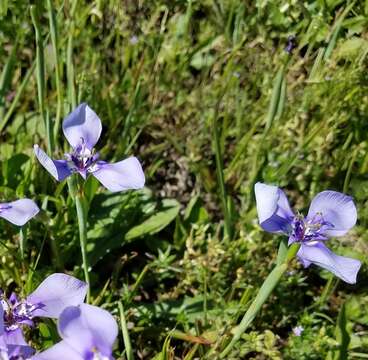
[(134, 40), (297, 330), (291, 44)]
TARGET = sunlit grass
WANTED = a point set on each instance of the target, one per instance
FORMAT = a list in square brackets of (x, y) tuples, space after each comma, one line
[(205, 95)]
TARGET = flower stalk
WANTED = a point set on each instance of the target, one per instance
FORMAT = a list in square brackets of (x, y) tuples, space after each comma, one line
[(41, 87), (58, 82), (78, 196), (264, 292), (220, 178), (22, 240), (125, 332)]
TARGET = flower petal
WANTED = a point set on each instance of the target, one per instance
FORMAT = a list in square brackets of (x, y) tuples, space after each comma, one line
[(19, 212), (1, 319), (274, 212), (88, 325), (57, 168), (16, 344), (335, 208), (343, 267), (57, 292), (15, 337), (120, 176), (3, 348), (82, 123), (59, 351)]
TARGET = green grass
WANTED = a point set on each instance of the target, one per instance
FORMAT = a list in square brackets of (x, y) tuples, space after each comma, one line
[(205, 95)]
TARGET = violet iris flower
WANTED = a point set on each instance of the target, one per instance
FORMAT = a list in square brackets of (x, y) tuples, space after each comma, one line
[(51, 297), (19, 211), (13, 347), (82, 128), (330, 214), (88, 333)]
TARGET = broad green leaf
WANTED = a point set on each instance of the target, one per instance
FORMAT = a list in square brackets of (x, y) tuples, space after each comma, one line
[(155, 223)]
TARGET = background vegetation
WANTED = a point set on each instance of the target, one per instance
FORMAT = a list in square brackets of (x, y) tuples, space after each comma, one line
[(204, 93)]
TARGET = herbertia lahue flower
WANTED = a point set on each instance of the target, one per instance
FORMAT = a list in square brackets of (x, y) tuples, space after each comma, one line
[(82, 128), (330, 214), (49, 299), (19, 212), (12, 347), (298, 330), (87, 332)]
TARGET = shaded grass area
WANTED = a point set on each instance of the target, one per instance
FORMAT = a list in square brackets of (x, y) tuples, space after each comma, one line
[(204, 93)]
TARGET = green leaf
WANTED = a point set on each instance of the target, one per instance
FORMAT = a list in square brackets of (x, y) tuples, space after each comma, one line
[(155, 223), (166, 353), (356, 309), (352, 47), (13, 169), (342, 335), (195, 211), (121, 217)]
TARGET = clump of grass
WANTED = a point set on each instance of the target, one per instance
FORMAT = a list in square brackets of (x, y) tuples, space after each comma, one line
[(205, 93)]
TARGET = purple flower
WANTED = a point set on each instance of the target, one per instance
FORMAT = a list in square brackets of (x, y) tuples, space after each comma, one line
[(291, 44), (52, 296), (19, 212), (298, 330), (82, 128), (12, 347), (87, 332), (330, 214), (134, 40)]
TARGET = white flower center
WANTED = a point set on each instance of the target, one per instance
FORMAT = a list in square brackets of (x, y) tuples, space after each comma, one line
[(98, 356)]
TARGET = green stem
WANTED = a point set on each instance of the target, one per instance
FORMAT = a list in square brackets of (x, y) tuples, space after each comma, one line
[(17, 96), (72, 94), (55, 47), (6, 77), (82, 222), (124, 330), (40, 66), (56, 253), (138, 282), (220, 177), (264, 292), (205, 295), (54, 243), (327, 290), (22, 240), (78, 195)]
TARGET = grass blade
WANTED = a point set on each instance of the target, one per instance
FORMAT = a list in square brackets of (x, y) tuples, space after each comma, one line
[(40, 67), (124, 330), (55, 47), (220, 175)]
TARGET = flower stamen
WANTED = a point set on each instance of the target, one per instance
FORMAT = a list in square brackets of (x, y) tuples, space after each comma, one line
[(82, 159), (309, 231)]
